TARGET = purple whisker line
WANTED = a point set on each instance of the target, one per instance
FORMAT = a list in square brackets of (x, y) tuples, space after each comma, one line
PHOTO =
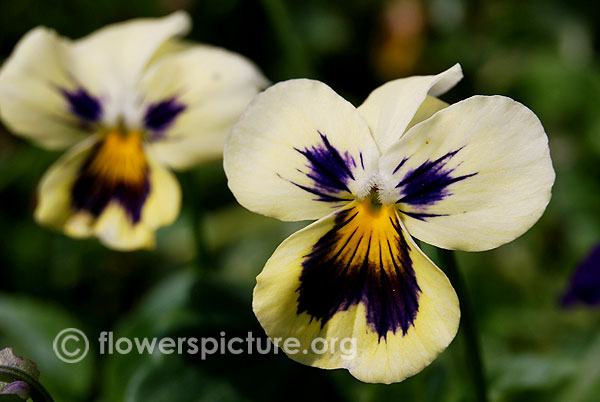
[(421, 215), (323, 196), (400, 165), (426, 167), (321, 170), (428, 183), (328, 170), (435, 189), (83, 105), (161, 115), (336, 155)]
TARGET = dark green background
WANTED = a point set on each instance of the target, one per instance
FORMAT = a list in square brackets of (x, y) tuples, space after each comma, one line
[(199, 280)]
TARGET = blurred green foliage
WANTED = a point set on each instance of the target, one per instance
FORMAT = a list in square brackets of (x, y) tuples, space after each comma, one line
[(199, 280)]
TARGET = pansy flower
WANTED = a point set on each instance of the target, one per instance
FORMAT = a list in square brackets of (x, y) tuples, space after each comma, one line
[(584, 286), (130, 101), (468, 176)]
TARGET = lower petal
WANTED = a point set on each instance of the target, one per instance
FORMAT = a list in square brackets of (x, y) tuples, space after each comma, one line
[(355, 278), (83, 205)]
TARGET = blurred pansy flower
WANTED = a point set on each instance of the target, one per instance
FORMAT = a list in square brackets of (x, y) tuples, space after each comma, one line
[(468, 176), (400, 38), (131, 100), (585, 282)]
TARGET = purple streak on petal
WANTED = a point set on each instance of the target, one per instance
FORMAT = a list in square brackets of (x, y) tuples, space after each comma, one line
[(328, 170), (585, 282), (161, 115), (422, 216), (402, 162), (428, 184), (86, 107)]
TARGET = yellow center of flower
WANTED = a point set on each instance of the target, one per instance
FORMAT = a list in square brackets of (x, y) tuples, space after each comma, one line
[(120, 158), (373, 232)]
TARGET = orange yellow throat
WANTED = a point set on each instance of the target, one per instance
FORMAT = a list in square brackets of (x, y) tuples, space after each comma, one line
[(115, 171)]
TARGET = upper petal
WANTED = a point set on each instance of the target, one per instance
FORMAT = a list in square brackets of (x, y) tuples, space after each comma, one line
[(299, 151), (355, 281), (474, 176), (193, 98), (34, 82), (111, 60), (390, 108)]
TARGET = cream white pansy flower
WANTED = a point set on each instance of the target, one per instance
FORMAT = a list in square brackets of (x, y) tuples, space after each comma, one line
[(132, 100), (468, 176)]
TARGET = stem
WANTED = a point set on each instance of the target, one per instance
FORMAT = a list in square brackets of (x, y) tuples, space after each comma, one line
[(468, 327), (290, 41), (204, 258)]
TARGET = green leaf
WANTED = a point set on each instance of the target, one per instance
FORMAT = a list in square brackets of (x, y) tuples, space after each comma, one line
[(171, 381), (158, 310), (10, 398)]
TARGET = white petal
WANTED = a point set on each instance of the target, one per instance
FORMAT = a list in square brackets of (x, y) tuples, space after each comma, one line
[(472, 177), (390, 108), (299, 151), (112, 59), (214, 86)]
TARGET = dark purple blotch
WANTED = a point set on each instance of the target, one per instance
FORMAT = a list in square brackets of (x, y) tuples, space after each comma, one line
[(86, 107), (333, 282), (585, 282), (329, 170), (427, 184), (92, 192), (160, 115)]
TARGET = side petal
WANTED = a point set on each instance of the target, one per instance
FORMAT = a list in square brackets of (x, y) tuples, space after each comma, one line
[(472, 177), (54, 191), (32, 101), (110, 220), (113, 58), (193, 98), (353, 281), (390, 108), (299, 151)]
